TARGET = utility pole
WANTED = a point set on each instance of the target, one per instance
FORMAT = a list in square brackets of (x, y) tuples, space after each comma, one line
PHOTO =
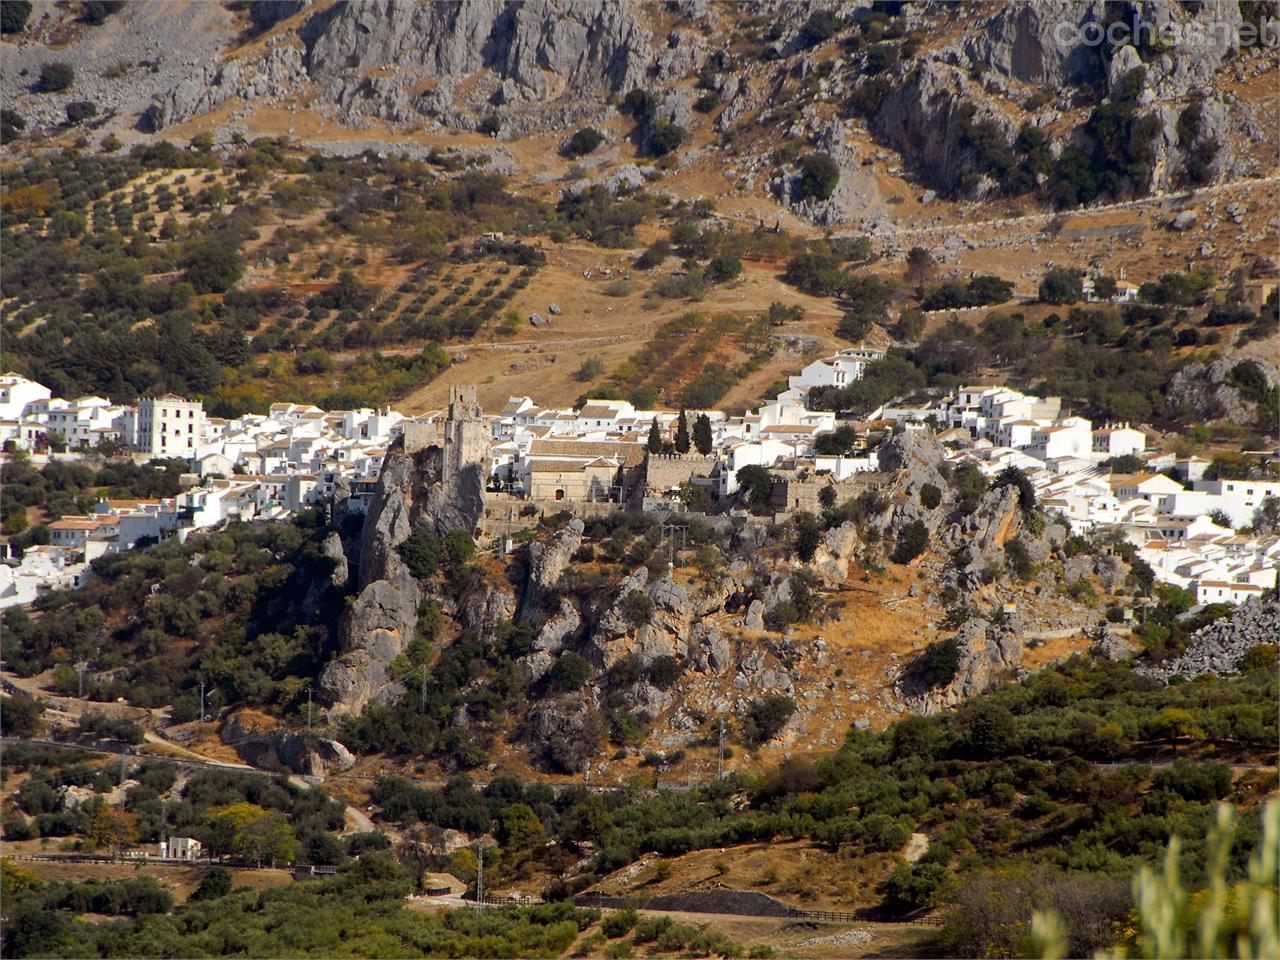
[(308, 708), (479, 876), (670, 530), (720, 753), (80, 673), (202, 700)]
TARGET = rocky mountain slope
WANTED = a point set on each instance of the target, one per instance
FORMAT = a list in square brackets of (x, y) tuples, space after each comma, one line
[(979, 100), (745, 617)]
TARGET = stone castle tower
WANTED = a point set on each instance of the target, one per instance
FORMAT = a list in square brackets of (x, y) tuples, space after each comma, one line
[(462, 436), (466, 434)]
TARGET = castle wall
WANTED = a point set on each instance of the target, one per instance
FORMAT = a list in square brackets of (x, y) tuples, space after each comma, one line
[(665, 472)]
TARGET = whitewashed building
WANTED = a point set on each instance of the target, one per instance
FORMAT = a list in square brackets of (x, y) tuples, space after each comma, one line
[(167, 426)]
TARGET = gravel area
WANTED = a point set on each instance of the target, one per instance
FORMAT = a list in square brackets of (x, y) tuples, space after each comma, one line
[(842, 939)]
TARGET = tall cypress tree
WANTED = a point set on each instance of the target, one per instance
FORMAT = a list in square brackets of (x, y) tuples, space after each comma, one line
[(703, 440), (655, 438), (682, 433)]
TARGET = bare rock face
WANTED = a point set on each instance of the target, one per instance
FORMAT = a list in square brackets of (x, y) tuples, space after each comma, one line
[(922, 117), (547, 564), (917, 453), (990, 653), (1208, 390), (483, 609), (1218, 647), (1022, 40), (1109, 568), (1051, 44), (545, 47), (551, 638), (709, 649), (277, 73), (1047, 43), (566, 732), (369, 58), (278, 749), (739, 100), (838, 546), (978, 539), (414, 492), (268, 14), (332, 548)]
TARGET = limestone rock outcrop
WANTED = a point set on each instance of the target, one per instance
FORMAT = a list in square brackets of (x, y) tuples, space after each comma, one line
[(432, 480), (989, 653), (1211, 391), (547, 564), (267, 747), (1218, 647)]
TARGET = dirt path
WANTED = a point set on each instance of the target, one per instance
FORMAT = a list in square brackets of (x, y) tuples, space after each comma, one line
[(357, 821)]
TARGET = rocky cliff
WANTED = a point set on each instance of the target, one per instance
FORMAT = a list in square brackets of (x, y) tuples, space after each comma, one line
[(1218, 647), (1220, 389), (538, 67), (414, 492), (402, 61), (989, 652), (989, 74)]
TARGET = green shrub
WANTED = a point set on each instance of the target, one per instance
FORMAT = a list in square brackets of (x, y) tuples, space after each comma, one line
[(819, 176), (1061, 285), (637, 608), (56, 76), (80, 110), (930, 496), (649, 929), (665, 138), (1224, 919), (421, 553), (913, 886), (14, 15), (583, 142), (619, 923), (766, 718), (723, 269), (1261, 657), (913, 540), (569, 673)]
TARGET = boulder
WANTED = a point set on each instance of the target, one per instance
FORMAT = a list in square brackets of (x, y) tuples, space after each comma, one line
[(1108, 645), (259, 742), (990, 653), (71, 797)]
